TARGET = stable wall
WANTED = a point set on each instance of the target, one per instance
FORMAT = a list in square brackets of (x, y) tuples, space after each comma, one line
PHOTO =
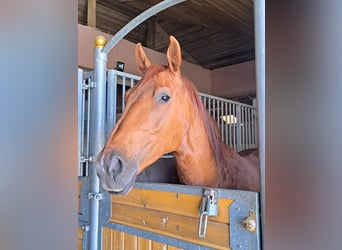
[(234, 80), (124, 51)]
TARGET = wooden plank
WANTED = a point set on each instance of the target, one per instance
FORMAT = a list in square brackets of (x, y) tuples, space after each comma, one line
[(170, 225), (91, 14), (118, 241), (131, 242), (107, 236), (171, 202), (158, 246), (79, 238), (172, 248), (144, 244)]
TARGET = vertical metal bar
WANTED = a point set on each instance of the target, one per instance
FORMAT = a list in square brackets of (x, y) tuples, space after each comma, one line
[(238, 127), (115, 96), (98, 139), (79, 119), (83, 120), (221, 121), (209, 106), (213, 109), (123, 92), (249, 127), (242, 127), (132, 82), (245, 128), (259, 27), (235, 126), (218, 109), (111, 102), (253, 128), (230, 125), (88, 101), (225, 123)]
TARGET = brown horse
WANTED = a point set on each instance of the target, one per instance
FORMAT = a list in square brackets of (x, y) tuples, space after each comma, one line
[(164, 114)]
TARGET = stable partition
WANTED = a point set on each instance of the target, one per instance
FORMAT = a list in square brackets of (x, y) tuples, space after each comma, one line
[(163, 216)]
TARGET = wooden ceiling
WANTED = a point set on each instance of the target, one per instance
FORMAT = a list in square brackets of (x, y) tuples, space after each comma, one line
[(212, 33)]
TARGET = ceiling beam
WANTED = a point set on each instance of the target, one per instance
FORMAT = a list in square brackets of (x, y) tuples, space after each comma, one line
[(151, 34), (91, 15)]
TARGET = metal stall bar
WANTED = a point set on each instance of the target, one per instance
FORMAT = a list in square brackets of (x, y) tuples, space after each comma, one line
[(238, 127), (259, 27), (79, 118), (111, 101), (85, 83), (123, 92), (222, 122), (137, 20), (233, 120), (98, 115), (249, 120)]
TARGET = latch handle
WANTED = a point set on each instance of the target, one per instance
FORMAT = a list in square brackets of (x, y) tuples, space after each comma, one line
[(209, 207)]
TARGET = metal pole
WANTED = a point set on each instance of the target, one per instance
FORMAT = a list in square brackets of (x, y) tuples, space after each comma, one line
[(138, 20), (98, 139), (79, 118), (259, 26)]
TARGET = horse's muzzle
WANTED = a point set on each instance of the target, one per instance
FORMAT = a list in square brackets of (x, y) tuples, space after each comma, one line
[(116, 173)]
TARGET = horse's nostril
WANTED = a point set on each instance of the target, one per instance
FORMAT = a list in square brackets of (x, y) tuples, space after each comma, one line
[(115, 166)]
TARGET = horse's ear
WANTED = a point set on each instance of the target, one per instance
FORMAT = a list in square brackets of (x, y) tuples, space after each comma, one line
[(143, 63), (174, 56)]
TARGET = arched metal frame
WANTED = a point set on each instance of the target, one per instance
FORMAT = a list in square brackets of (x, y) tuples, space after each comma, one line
[(98, 125)]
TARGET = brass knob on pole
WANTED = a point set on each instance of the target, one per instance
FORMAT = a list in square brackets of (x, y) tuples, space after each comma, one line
[(100, 41)]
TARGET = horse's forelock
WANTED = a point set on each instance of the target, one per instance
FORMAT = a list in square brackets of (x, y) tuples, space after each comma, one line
[(153, 70)]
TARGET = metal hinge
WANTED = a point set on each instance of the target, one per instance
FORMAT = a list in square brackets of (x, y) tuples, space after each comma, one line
[(91, 84), (85, 227), (95, 196), (85, 159), (209, 207)]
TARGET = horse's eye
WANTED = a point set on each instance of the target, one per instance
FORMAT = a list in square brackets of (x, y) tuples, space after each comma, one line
[(165, 98)]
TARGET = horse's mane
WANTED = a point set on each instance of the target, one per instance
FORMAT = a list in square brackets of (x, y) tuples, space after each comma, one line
[(223, 154)]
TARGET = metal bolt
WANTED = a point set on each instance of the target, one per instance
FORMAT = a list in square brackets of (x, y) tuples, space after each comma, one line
[(164, 220)]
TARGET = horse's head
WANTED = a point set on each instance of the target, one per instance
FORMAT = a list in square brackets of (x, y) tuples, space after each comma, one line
[(151, 125)]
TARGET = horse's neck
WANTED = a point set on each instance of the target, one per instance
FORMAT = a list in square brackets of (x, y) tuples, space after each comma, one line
[(196, 163)]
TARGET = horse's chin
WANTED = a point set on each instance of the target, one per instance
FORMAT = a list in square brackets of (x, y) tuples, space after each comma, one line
[(125, 189)]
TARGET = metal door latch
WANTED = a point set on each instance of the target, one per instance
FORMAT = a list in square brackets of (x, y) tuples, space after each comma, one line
[(208, 208)]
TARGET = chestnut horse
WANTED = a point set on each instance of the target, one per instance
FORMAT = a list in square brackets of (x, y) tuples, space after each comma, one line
[(163, 114)]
